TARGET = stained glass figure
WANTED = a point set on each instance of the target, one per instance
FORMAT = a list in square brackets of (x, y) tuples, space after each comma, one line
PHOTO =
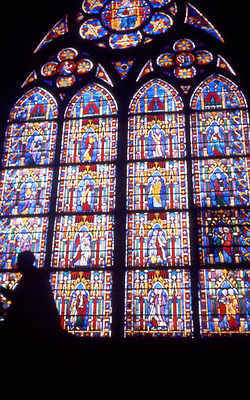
[(36, 104), (83, 241), (221, 182), (197, 20), (86, 188), (224, 307), (83, 300), (59, 29), (25, 191), (30, 144), (160, 239), (221, 133), (122, 15), (157, 185), (224, 236), (160, 132), (158, 303), (90, 140), (21, 234)]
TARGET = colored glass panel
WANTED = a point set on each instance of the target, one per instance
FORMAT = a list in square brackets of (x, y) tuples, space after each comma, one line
[(65, 81), (25, 191), (185, 73), (217, 92), (66, 68), (59, 29), (83, 241), (221, 182), (196, 19), (83, 66), (92, 30), (166, 60), (224, 236), (21, 234), (157, 185), (125, 41), (87, 188), (160, 239), (156, 96), (67, 54), (160, 23), (89, 140), (183, 45), (121, 15), (158, 303), (8, 281), (159, 3), (156, 136), (203, 57), (102, 74), (92, 6), (123, 67), (221, 133), (83, 300), (224, 302), (49, 69), (29, 144), (90, 101), (36, 104), (146, 69)]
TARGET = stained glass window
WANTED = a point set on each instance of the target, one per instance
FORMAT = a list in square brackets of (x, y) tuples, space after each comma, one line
[(26, 176), (220, 137), (158, 235), (126, 171)]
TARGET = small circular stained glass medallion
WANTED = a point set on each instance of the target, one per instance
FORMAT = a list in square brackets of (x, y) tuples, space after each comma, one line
[(185, 59), (185, 73), (65, 81), (92, 30), (184, 45), (67, 54), (160, 23), (122, 15), (84, 66), (49, 69)]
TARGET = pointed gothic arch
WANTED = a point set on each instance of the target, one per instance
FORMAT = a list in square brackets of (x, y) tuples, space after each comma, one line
[(141, 192)]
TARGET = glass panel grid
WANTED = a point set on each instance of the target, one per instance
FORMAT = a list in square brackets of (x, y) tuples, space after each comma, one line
[(158, 303)]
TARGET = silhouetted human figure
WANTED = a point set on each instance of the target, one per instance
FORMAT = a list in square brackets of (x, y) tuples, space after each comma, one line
[(32, 316)]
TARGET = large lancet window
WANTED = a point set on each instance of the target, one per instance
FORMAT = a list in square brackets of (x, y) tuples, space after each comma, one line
[(125, 170), (158, 299), (220, 140)]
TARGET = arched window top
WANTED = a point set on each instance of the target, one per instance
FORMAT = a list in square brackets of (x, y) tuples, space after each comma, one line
[(156, 96), (37, 103), (217, 92), (92, 100)]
